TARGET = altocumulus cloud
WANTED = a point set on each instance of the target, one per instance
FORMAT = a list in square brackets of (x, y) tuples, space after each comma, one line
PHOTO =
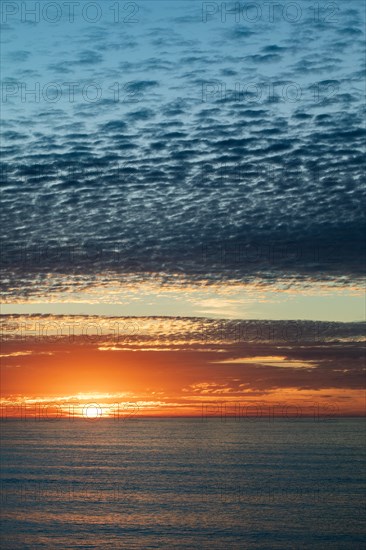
[(210, 149)]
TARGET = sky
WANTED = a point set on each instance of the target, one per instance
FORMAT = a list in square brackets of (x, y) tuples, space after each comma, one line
[(157, 366), (186, 159)]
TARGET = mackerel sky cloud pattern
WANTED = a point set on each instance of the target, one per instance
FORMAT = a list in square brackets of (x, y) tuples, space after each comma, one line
[(225, 147)]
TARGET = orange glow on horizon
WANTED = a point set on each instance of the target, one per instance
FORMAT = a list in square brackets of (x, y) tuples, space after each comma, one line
[(179, 373)]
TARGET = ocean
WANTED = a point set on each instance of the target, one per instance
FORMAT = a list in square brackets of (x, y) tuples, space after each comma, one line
[(183, 483)]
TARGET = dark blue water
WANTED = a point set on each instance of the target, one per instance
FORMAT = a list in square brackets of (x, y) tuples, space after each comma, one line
[(183, 483)]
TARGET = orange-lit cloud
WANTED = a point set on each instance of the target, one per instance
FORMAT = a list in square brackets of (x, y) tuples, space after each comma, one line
[(176, 366)]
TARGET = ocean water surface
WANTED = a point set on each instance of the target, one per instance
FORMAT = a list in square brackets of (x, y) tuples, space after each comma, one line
[(183, 483)]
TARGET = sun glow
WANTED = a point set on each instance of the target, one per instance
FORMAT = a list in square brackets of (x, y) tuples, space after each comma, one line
[(92, 411)]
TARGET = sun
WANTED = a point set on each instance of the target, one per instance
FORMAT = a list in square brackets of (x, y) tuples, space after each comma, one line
[(92, 411)]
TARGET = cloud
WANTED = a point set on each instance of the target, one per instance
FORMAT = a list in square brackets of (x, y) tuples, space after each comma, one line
[(197, 160), (184, 357), (88, 57), (19, 56), (274, 361)]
